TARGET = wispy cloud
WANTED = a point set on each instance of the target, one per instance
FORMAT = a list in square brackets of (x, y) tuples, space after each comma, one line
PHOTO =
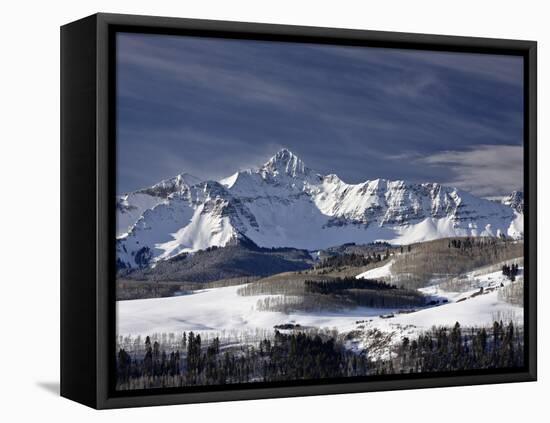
[(218, 78), (211, 106), (485, 170), (502, 68)]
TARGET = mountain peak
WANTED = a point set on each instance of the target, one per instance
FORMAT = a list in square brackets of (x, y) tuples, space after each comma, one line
[(285, 204), (177, 184), (285, 162), (187, 178)]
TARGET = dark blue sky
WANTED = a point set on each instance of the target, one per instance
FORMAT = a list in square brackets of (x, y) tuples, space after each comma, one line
[(212, 106)]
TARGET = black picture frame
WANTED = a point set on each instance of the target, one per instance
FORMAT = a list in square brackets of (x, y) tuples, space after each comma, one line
[(88, 203)]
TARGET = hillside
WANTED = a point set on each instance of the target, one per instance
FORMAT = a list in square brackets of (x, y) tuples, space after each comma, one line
[(238, 260)]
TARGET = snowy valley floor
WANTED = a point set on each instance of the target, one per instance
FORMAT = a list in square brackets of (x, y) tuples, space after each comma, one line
[(222, 312)]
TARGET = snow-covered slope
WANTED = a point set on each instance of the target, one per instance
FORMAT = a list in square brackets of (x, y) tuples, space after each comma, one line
[(131, 206), (286, 204), (378, 272)]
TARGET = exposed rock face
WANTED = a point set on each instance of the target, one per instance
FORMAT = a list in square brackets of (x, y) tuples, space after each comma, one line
[(514, 200)]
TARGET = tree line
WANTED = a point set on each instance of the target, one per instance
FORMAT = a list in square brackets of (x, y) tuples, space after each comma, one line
[(449, 349), (365, 292), (301, 356), (333, 286), (510, 271), (352, 260), (284, 357)]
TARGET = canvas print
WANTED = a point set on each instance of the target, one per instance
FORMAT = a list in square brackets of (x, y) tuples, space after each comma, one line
[(291, 212)]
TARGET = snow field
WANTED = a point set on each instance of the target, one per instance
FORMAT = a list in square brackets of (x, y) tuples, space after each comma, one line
[(221, 310)]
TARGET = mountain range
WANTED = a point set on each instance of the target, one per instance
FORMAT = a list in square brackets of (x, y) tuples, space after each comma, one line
[(284, 203)]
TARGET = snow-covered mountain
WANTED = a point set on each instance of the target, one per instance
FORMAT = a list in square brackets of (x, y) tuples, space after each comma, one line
[(514, 200), (286, 204), (131, 206)]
